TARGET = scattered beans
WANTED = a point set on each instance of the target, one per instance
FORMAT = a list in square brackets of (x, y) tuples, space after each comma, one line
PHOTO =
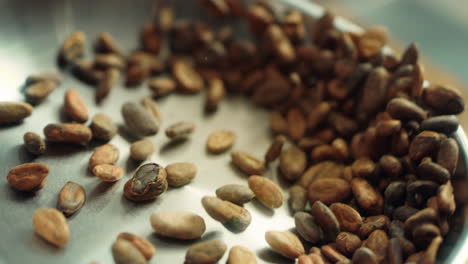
[(180, 130), (232, 216), (285, 243), (34, 144), (28, 176), (71, 198), (235, 193), (206, 252), (68, 133), (105, 154), (247, 163), (12, 112), (180, 173), (220, 141), (51, 225), (102, 127), (266, 191), (140, 150), (147, 183), (179, 225)]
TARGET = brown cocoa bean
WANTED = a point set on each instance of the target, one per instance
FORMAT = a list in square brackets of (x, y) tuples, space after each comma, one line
[(12, 112), (34, 144), (68, 133), (349, 219), (105, 154), (293, 162), (325, 218), (329, 190), (28, 176), (71, 198), (147, 183), (367, 197), (220, 141), (443, 100)]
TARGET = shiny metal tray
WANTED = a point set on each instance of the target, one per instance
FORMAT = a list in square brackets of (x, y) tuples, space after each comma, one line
[(31, 33)]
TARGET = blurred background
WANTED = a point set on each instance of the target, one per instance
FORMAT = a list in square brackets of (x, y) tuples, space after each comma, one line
[(440, 29)]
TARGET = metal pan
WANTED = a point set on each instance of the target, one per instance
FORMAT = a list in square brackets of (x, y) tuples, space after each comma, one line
[(31, 33)]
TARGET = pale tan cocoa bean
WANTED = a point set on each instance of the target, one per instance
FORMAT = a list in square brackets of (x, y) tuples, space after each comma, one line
[(187, 78), (206, 252), (141, 150), (220, 141), (161, 86), (266, 191), (125, 252), (71, 198), (102, 127), (241, 255), (180, 173), (108, 172), (247, 163), (235, 193), (12, 112), (179, 225), (180, 130), (285, 243), (37, 92), (75, 107), (105, 154), (232, 216), (143, 245), (51, 225)]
